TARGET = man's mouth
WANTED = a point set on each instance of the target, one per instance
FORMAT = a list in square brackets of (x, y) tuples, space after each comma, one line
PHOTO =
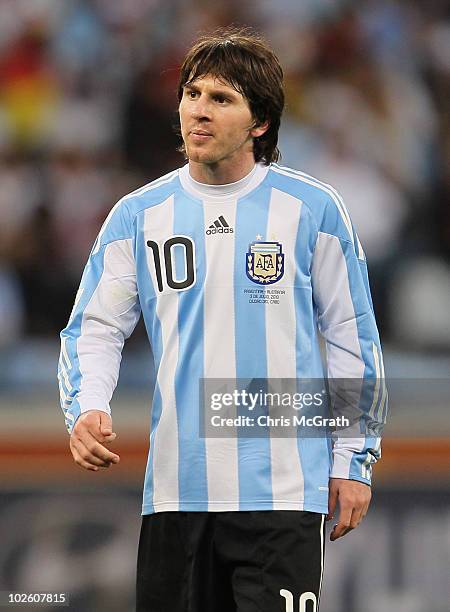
[(200, 135)]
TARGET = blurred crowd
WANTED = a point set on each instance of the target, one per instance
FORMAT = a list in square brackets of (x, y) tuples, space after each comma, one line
[(88, 106)]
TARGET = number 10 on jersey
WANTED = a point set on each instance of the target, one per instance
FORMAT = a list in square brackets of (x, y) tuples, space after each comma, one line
[(165, 258)]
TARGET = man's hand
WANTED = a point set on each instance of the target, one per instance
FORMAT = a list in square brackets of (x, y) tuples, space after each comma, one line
[(354, 499), (92, 430)]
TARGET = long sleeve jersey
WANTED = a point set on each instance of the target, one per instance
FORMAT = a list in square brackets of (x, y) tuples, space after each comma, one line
[(200, 263)]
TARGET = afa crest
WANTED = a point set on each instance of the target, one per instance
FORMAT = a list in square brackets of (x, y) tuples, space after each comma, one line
[(265, 262)]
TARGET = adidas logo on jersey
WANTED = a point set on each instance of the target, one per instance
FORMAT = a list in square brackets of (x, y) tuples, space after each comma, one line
[(220, 226)]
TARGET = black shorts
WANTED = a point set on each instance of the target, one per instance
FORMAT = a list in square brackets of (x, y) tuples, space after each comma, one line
[(258, 561)]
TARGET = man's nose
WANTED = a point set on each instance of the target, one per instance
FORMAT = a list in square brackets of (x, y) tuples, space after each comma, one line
[(201, 109)]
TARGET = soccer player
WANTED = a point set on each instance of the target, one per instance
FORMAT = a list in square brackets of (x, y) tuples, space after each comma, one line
[(236, 264)]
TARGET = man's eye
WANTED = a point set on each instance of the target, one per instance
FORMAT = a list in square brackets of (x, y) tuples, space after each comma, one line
[(220, 99)]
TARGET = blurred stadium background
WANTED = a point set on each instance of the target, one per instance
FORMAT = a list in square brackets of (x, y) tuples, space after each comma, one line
[(87, 105)]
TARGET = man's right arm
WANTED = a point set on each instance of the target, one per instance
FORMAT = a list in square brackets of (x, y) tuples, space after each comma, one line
[(105, 312)]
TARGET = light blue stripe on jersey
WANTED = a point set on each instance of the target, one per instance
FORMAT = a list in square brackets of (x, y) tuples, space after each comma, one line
[(138, 201), (255, 475), (153, 326), (306, 335), (193, 486), (89, 282), (313, 452), (365, 277)]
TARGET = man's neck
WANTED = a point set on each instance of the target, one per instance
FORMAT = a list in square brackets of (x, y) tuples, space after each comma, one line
[(220, 173)]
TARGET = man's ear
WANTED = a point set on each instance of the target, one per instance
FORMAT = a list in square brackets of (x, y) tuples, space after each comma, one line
[(258, 131)]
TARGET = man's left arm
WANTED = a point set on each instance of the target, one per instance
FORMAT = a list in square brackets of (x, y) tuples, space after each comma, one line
[(346, 320)]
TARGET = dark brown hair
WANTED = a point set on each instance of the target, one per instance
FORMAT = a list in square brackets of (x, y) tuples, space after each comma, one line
[(243, 59)]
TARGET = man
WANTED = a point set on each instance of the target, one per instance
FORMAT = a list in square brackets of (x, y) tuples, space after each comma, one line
[(228, 523)]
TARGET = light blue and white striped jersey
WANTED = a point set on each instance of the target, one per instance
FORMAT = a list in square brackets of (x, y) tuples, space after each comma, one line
[(189, 258)]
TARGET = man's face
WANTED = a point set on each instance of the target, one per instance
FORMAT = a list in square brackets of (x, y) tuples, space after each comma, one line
[(216, 122)]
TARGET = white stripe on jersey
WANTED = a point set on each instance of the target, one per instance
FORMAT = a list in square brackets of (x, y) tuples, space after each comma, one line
[(282, 226), (360, 254), (158, 223), (344, 357), (329, 271), (322, 550), (108, 319), (220, 352), (376, 392), (377, 412), (380, 410)]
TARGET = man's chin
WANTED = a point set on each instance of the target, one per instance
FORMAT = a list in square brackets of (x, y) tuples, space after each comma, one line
[(201, 157)]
